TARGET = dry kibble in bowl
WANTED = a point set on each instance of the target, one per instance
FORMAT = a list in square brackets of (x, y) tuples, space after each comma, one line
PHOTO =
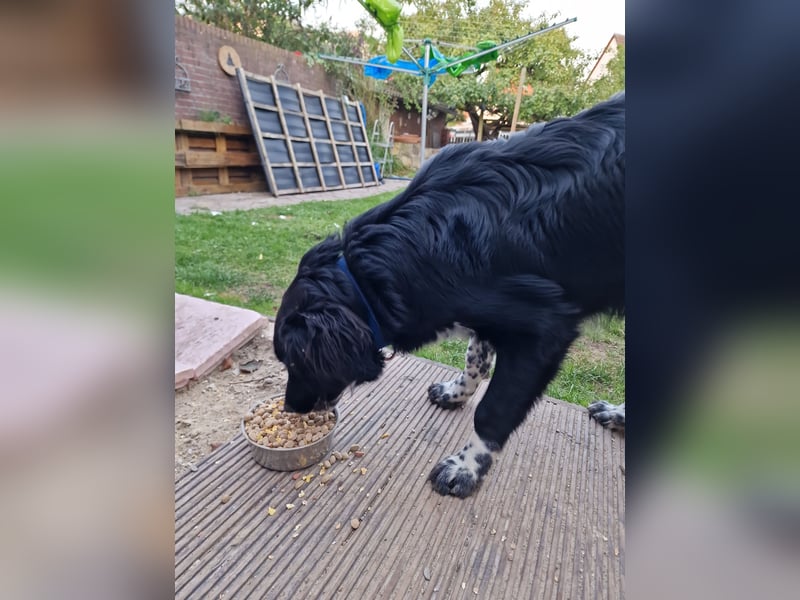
[(270, 426)]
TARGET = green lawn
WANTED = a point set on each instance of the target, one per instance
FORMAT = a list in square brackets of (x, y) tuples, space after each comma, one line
[(248, 258)]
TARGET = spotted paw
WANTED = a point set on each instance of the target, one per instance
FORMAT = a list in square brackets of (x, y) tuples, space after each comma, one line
[(608, 415), (447, 395), (460, 474)]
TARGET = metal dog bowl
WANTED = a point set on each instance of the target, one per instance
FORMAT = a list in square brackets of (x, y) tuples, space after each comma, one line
[(290, 459)]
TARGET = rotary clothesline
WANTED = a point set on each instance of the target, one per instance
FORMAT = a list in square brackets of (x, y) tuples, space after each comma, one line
[(434, 63)]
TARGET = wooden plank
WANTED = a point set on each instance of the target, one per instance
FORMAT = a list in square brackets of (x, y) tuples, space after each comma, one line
[(307, 121), (251, 113), (278, 136), (263, 106), (234, 186), (518, 101), (282, 119), (197, 159), (211, 127), (182, 179), (203, 143), (338, 163), (299, 164), (221, 150), (261, 78), (206, 332), (181, 141), (349, 123), (180, 189), (184, 373), (370, 156), (237, 143)]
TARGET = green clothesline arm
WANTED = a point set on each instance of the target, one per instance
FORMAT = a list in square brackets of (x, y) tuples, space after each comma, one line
[(510, 43)]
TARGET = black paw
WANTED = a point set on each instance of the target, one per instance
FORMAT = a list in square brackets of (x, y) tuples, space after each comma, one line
[(438, 394), (608, 415), (457, 476)]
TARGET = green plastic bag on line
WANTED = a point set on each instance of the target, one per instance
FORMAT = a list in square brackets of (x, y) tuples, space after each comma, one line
[(394, 43), (386, 12)]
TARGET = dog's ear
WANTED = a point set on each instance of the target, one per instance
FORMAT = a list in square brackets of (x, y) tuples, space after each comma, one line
[(341, 345), (291, 338)]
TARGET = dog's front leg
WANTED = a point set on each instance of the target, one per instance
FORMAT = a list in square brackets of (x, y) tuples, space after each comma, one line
[(521, 375), (455, 393)]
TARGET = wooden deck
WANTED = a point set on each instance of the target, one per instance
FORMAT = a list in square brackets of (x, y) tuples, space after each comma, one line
[(548, 521)]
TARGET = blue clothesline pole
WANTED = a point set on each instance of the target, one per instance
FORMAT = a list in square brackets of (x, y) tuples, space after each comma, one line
[(426, 76)]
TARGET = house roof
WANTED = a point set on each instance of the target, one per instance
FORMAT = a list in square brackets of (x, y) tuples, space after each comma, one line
[(619, 39)]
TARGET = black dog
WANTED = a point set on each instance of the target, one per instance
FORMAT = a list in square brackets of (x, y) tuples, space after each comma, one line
[(515, 241)]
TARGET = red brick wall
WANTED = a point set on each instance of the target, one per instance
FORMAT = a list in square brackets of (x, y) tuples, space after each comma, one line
[(197, 45)]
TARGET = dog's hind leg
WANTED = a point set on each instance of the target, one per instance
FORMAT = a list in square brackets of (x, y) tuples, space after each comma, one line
[(478, 362), (608, 415), (521, 375)]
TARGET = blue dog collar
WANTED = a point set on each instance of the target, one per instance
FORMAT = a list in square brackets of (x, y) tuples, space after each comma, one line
[(371, 320)]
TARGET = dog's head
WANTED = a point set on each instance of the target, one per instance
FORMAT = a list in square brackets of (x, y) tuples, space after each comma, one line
[(324, 344)]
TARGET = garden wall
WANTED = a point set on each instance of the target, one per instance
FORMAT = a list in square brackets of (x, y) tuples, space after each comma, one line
[(220, 157), (196, 49)]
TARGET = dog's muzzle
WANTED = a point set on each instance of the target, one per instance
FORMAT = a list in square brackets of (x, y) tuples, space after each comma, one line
[(322, 403)]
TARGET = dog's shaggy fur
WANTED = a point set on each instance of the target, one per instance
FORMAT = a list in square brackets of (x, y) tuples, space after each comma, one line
[(516, 241)]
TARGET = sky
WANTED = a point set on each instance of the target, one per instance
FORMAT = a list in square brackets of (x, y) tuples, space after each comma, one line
[(597, 20)]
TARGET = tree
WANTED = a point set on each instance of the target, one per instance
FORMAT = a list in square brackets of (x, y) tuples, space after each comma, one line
[(276, 22)]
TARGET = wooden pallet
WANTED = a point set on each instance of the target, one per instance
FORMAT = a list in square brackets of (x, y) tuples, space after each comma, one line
[(215, 158), (307, 141)]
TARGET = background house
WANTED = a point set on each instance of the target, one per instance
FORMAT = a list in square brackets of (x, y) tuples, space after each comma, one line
[(600, 67), (408, 122)]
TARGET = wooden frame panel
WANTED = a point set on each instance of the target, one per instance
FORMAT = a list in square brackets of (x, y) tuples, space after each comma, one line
[(300, 135)]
